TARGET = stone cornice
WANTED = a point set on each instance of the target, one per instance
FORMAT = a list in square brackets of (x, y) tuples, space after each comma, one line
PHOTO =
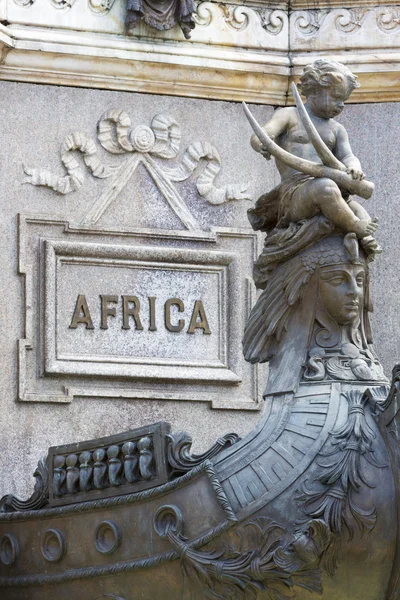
[(319, 4), (237, 52)]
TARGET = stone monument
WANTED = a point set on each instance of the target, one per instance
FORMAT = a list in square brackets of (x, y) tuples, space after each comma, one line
[(308, 502)]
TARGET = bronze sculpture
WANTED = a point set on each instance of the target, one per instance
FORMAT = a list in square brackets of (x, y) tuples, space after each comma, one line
[(308, 502)]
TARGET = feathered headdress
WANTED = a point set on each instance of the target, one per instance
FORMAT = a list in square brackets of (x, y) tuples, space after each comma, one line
[(284, 270)]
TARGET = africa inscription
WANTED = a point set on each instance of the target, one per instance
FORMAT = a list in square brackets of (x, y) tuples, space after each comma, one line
[(131, 306)]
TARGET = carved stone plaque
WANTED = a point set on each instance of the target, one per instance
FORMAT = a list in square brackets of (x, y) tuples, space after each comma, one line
[(143, 312), (137, 313)]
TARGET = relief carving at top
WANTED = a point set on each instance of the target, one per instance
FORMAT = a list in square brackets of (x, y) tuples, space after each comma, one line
[(26, 3), (242, 17), (350, 20), (142, 145), (101, 6), (346, 20), (388, 18), (272, 20), (308, 22), (62, 4)]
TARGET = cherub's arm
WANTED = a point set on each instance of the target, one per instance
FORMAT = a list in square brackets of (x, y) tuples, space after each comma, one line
[(279, 122), (345, 154)]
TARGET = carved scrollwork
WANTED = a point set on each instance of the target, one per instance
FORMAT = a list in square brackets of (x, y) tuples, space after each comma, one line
[(182, 460), (40, 496), (236, 17), (204, 14), (272, 20), (315, 368), (388, 18), (350, 364), (349, 20), (268, 560), (308, 22)]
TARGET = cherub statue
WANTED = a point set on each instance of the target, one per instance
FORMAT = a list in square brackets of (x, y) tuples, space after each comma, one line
[(310, 134)]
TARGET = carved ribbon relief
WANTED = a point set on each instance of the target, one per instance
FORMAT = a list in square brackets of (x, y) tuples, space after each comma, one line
[(141, 145)]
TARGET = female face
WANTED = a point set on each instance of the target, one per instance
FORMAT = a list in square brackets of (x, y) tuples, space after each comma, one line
[(342, 291)]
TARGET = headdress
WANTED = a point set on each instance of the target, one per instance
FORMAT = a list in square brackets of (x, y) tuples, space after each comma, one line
[(283, 270)]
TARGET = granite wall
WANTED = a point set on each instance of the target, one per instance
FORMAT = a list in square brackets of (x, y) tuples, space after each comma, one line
[(35, 120)]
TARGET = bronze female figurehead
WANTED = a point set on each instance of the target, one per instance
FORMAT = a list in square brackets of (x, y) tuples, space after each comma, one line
[(314, 307)]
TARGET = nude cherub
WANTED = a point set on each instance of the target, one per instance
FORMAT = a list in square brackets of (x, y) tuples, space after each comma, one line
[(326, 85)]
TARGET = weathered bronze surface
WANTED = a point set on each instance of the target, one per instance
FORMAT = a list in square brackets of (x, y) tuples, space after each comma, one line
[(307, 503)]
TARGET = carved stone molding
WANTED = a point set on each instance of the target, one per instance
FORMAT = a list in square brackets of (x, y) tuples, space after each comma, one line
[(239, 52), (363, 27), (321, 4), (217, 267), (223, 24)]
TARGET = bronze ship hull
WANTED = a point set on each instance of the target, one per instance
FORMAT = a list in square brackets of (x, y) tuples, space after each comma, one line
[(226, 524)]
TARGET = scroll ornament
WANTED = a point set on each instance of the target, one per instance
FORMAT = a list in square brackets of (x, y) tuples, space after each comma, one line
[(180, 456), (388, 19), (350, 20), (39, 497), (308, 22), (240, 18), (161, 140)]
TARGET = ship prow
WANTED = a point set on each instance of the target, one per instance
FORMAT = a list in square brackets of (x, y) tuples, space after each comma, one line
[(111, 513)]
